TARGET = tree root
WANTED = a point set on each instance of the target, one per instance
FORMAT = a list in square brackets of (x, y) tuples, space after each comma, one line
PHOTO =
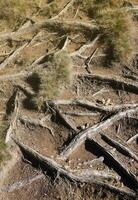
[(62, 117), (115, 82), (132, 139), (22, 183), (95, 106), (48, 164), (27, 121), (37, 64), (56, 25), (91, 131), (12, 57), (80, 113), (127, 175), (64, 10), (83, 48), (123, 149), (12, 126)]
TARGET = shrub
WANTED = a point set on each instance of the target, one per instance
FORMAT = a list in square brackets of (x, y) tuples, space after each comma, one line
[(117, 34), (115, 27), (54, 79)]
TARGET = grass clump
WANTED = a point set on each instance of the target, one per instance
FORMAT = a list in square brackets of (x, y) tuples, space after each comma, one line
[(13, 12), (115, 27), (3, 152), (55, 78)]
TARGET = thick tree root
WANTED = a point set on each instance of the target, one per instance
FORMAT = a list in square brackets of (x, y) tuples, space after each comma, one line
[(83, 48), (29, 121), (50, 165), (91, 131), (127, 175), (132, 139), (12, 126), (114, 81), (63, 118), (12, 57), (49, 24), (95, 106), (23, 183), (80, 113), (123, 149), (64, 10)]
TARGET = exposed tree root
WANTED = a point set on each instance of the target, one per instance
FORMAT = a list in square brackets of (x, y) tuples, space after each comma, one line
[(48, 164), (91, 131), (14, 116), (123, 149), (51, 24), (132, 139), (83, 48), (62, 117), (64, 10), (89, 59), (11, 77), (127, 175), (80, 113), (90, 173), (12, 57), (22, 183), (95, 106), (116, 82), (37, 64), (29, 121), (94, 161)]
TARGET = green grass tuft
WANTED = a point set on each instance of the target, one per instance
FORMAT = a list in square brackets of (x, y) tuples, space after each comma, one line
[(115, 27), (55, 78)]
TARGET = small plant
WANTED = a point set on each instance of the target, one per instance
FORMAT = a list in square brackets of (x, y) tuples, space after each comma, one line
[(54, 79)]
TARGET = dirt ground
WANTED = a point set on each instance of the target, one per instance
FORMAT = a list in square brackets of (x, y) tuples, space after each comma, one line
[(26, 179)]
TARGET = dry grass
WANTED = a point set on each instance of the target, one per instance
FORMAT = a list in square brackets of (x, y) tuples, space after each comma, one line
[(13, 12), (55, 78)]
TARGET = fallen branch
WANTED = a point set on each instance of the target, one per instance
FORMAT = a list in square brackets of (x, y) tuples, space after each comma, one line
[(123, 149), (48, 164), (12, 57), (91, 131), (132, 139), (126, 175), (114, 81), (12, 126)]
